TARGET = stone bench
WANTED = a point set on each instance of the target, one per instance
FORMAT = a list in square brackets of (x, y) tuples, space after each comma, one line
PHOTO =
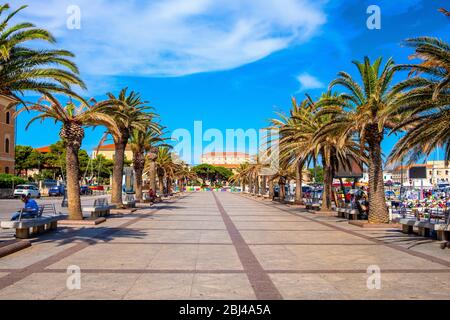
[(341, 212), (129, 202), (100, 208), (424, 227), (46, 220), (351, 214), (442, 231)]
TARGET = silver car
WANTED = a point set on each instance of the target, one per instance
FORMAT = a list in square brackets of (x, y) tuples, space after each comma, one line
[(28, 190)]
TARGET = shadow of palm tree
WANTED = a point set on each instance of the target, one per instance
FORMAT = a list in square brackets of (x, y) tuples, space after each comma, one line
[(89, 235)]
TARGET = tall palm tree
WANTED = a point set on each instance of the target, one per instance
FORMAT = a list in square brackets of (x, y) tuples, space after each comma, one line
[(131, 113), (363, 110), (73, 120), (142, 143), (295, 133), (26, 69), (424, 101)]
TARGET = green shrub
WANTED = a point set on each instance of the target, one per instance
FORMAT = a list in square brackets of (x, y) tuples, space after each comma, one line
[(8, 180)]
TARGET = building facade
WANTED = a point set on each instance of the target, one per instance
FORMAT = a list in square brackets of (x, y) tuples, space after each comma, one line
[(436, 173), (7, 135), (108, 152), (230, 160)]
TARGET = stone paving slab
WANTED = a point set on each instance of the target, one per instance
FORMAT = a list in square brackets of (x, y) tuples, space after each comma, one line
[(339, 257), (224, 246), (353, 286)]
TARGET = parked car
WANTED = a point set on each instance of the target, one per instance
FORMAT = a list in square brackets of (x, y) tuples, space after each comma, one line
[(27, 189), (85, 190), (56, 191)]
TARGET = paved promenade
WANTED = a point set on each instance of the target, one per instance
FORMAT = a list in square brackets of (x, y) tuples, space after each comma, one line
[(226, 246)]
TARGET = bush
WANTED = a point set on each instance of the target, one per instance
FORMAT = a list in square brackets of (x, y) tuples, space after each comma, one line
[(8, 180)]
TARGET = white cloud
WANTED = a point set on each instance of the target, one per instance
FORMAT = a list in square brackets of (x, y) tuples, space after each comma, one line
[(308, 82), (175, 37)]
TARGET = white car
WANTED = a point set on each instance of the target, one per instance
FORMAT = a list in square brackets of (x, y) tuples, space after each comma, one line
[(27, 189)]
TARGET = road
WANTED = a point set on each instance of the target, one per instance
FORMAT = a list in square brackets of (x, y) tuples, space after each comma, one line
[(9, 206), (210, 245)]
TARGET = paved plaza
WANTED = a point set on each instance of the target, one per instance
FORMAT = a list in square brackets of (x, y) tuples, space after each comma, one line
[(212, 245)]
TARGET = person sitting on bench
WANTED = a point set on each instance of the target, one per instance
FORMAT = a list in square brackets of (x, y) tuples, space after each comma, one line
[(30, 210)]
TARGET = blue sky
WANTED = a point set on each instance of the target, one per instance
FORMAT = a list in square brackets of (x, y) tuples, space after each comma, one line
[(230, 64)]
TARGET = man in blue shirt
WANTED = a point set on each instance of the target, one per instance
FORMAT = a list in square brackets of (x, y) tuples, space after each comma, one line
[(30, 209)]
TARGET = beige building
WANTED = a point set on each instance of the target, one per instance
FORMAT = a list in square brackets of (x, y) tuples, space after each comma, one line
[(7, 135), (437, 172), (108, 152), (230, 160)]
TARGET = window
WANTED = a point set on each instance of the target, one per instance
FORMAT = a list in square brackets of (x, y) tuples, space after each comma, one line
[(7, 145), (8, 117), (6, 169)]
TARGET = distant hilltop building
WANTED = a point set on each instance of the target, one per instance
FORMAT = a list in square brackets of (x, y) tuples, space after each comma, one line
[(7, 134), (108, 152), (230, 160)]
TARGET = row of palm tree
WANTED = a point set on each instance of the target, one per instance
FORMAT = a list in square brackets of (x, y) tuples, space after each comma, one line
[(346, 126), (164, 165), (127, 117)]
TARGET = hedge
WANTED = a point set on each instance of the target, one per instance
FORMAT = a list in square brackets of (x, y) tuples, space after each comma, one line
[(8, 180)]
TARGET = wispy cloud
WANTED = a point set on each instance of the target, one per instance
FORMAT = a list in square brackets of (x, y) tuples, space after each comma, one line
[(176, 37), (308, 82)]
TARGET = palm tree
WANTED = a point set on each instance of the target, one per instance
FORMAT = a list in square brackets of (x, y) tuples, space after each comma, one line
[(166, 169), (142, 143), (183, 174), (364, 111), (25, 69), (241, 175), (282, 177), (294, 140), (424, 101), (130, 114), (253, 173), (73, 120)]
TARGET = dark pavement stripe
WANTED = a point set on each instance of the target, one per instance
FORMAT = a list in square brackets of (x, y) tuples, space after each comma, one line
[(260, 281)]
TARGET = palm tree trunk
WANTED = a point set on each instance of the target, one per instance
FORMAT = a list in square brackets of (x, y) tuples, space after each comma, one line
[(271, 188), (73, 184), (281, 192), (327, 184), (169, 186), (256, 185), (378, 212), (138, 165), (298, 183), (117, 176), (152, 175), (263, 185), (161, 185), (73, 133)]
